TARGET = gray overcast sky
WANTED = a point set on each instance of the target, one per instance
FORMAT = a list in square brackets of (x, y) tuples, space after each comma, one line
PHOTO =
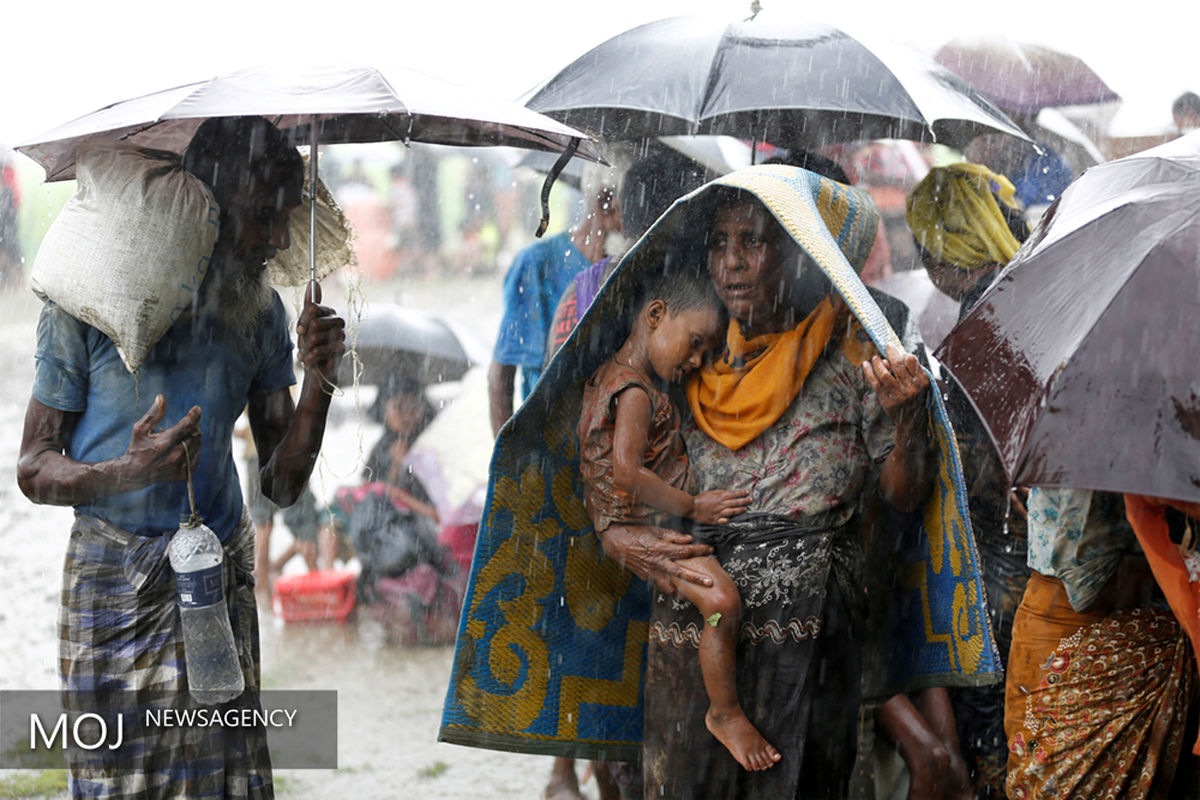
[(61, 60)]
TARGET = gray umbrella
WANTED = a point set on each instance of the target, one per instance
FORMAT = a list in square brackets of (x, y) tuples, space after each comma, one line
[(791, 83), (1081, 357), (394, 342), (349, 103), (320, 104)]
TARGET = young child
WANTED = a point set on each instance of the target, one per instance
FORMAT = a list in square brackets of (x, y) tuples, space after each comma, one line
[(635, 471)]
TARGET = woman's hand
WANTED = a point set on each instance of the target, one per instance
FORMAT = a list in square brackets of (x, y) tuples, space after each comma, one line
[(650, 553), (900, 383)]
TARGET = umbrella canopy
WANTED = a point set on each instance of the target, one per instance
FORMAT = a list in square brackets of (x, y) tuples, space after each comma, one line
[(717, 155), (350, 104), (1067, 139), (1024, 78), (1081, 356), (397, 342), (788, 82)]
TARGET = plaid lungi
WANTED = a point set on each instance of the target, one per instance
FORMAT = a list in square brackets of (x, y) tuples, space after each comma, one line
[(121, 648)]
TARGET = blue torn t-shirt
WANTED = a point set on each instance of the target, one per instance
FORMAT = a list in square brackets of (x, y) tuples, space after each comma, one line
[(198, 361)]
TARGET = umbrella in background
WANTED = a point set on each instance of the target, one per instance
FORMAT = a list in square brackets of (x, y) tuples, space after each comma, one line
[(317, 105), (1024, 78), (787, 82), (1081, 356), (718, 155), (1067, 139), (397, 342), (349, 103)]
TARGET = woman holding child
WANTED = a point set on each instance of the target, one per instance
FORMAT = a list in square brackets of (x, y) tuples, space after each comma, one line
[(796, 412), (801, 411)]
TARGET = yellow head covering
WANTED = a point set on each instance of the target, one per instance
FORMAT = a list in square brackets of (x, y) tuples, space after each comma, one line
[(955, 215)]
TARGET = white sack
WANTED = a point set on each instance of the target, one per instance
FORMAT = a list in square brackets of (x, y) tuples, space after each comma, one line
[(128, 252)]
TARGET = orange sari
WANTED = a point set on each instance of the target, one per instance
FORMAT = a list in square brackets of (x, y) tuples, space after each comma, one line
[(1095, 705), (1171, 572)]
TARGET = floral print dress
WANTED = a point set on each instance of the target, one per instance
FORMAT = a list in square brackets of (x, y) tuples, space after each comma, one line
[(797, 559)]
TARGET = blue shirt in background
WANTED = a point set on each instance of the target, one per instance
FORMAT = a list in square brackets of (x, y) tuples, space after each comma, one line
[(1045, 177), (199, 361), (539, 274)]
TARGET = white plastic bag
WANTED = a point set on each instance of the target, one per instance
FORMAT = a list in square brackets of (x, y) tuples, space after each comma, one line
[(127, 253)]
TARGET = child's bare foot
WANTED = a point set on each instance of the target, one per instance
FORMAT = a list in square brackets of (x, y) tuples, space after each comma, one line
[(743, 741)]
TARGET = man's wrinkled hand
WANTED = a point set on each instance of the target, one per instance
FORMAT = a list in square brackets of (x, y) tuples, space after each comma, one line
[(321, 336), (168, 455)]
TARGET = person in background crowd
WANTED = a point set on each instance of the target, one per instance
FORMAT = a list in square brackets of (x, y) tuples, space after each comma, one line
[(967, 225), (532, 287), (1038, 175), (1101, 678), (1186, 112), (301, 519), (648, 188), (10, 204)]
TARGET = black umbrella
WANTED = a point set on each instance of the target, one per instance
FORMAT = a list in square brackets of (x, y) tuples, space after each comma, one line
[(1081, 357), (792, 83), (395, 343)]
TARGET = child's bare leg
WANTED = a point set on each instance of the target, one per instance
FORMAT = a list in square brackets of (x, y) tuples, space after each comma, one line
[(721, 609)]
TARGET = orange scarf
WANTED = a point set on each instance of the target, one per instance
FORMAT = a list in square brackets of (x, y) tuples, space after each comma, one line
[(1149, 522), (748, 388)]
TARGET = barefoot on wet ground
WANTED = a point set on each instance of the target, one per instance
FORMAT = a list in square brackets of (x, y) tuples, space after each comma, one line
[(742, 739)]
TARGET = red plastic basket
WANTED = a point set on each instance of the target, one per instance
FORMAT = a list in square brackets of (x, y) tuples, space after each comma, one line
[(322, 595)]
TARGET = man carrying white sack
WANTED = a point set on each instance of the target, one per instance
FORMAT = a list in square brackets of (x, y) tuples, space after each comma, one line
[(93, 440)]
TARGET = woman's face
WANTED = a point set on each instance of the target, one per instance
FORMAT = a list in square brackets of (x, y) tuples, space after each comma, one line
[(402, 413), (744, 259)]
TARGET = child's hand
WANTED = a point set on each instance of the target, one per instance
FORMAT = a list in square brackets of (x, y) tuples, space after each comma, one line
[(717, 506)]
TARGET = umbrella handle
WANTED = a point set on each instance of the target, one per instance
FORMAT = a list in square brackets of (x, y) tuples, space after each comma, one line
[(312, 207), (563, 158)]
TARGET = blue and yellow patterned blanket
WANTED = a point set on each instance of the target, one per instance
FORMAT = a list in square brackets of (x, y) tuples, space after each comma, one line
[(552, 641)]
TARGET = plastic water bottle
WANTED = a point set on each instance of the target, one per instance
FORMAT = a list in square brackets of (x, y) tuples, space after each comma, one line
[(213, 672)]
